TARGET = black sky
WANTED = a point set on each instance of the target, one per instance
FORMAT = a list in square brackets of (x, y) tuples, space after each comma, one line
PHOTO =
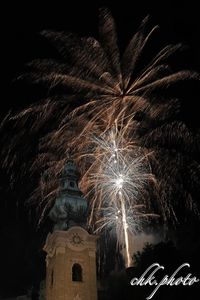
[(179, 22)]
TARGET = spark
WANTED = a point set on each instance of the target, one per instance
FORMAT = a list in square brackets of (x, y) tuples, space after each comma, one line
[(119, 181)]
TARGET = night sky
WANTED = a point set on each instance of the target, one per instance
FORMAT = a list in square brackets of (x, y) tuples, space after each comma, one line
[(179, 22)]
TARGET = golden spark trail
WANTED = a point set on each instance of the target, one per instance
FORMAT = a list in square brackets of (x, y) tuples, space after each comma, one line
[(125, 227)]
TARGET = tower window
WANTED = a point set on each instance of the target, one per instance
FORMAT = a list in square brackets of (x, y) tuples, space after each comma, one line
[(71, 183), (77, 272)]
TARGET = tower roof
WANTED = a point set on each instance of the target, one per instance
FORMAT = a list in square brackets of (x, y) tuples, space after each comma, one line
[(70, 207)]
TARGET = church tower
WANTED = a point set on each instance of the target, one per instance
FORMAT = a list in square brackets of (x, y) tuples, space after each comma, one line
[(71, 250)]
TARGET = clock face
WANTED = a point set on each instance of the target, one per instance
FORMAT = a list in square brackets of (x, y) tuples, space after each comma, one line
[(76, 239)]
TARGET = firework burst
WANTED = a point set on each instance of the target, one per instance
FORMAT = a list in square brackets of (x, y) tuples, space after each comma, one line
[(115, 182)]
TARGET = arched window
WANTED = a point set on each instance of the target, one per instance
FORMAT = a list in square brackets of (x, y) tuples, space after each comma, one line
[(77, 272)]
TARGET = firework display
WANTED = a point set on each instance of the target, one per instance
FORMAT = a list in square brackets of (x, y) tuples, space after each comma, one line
[(111, 114)]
